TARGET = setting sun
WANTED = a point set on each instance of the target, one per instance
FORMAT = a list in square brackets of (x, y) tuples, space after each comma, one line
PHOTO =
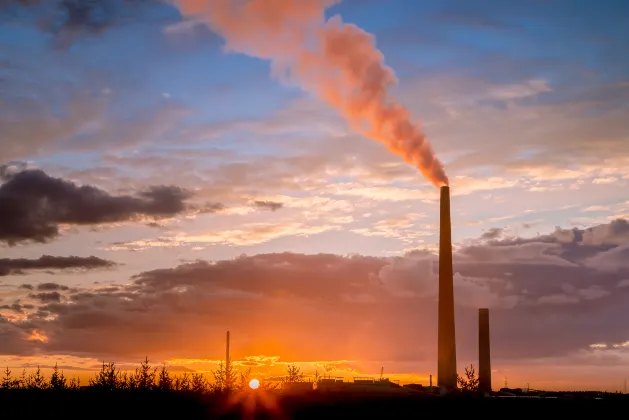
[(254, 384)]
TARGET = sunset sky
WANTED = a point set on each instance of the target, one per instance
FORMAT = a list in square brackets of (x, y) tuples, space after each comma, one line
[(158, 188)]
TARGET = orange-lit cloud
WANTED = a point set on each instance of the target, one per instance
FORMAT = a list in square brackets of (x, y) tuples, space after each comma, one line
[(37, 335)]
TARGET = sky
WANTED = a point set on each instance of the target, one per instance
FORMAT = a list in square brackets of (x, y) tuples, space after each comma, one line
[(163, 181)]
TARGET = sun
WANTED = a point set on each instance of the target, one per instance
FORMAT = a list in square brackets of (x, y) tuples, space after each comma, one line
[(254, 384)]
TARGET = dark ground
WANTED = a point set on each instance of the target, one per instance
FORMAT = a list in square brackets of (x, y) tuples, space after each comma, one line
[(115, 405)]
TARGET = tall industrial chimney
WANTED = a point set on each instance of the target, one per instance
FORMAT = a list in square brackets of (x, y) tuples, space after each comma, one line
[(227, 363), (446, 369), (484, 359)]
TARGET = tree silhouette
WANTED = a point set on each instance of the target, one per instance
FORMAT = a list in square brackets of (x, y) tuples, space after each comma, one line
[(269, 386), (108, 378), (36, 380), (244, 379), (470, 382), (22, 381), (58, 382), (75, 384), (293, 374), (182, 383), (164, 381), (224, 378), (7, 380), (145, 376), (198, 384)]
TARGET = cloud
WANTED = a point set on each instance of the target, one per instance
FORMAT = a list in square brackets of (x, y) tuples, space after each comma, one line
[(34, 205), (69, 20), (612, 260), (560, 148), (17, 307), (383, 193), (29, 127), (492, 233), (268, 205), (10, 266), (623, 283), (404, 228), (246, 234), (51, 286), (46, 297), (608, 180), (254, 233), (381, 308)]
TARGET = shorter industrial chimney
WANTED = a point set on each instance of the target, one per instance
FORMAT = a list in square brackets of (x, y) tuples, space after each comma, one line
[(484, 357)]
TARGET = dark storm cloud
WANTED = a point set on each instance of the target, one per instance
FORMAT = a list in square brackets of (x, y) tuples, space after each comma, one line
[(268, 205), (34, 204), (19, 265), (546, 300)]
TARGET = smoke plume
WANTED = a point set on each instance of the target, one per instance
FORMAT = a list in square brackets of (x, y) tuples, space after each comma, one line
[(338, 62)]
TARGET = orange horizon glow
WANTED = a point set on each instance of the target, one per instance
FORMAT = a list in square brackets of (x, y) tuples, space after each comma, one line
[(536, 377)]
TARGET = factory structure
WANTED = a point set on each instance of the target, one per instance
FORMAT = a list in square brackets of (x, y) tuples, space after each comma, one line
[(446, 352), (446, 340)]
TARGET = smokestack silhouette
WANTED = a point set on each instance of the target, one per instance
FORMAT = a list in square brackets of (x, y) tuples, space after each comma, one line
[(227, 362), (446, 369), (484, 358)]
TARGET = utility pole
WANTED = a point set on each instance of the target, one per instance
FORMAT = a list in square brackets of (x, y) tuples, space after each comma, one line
[(625, 386), (381, 372), (506, 382)]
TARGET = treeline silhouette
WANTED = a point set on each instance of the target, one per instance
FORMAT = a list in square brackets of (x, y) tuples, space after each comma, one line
[(145, 377), (155, 392), (147, 391)]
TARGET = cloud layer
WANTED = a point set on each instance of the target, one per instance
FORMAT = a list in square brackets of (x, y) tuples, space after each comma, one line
[(33, 205), (10, 266), (550, 296)]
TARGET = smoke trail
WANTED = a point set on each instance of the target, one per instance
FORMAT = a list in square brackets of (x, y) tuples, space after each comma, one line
[(336, 61)]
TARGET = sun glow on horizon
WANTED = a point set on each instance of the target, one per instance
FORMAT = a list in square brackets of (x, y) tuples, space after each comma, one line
[(254, 384)]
